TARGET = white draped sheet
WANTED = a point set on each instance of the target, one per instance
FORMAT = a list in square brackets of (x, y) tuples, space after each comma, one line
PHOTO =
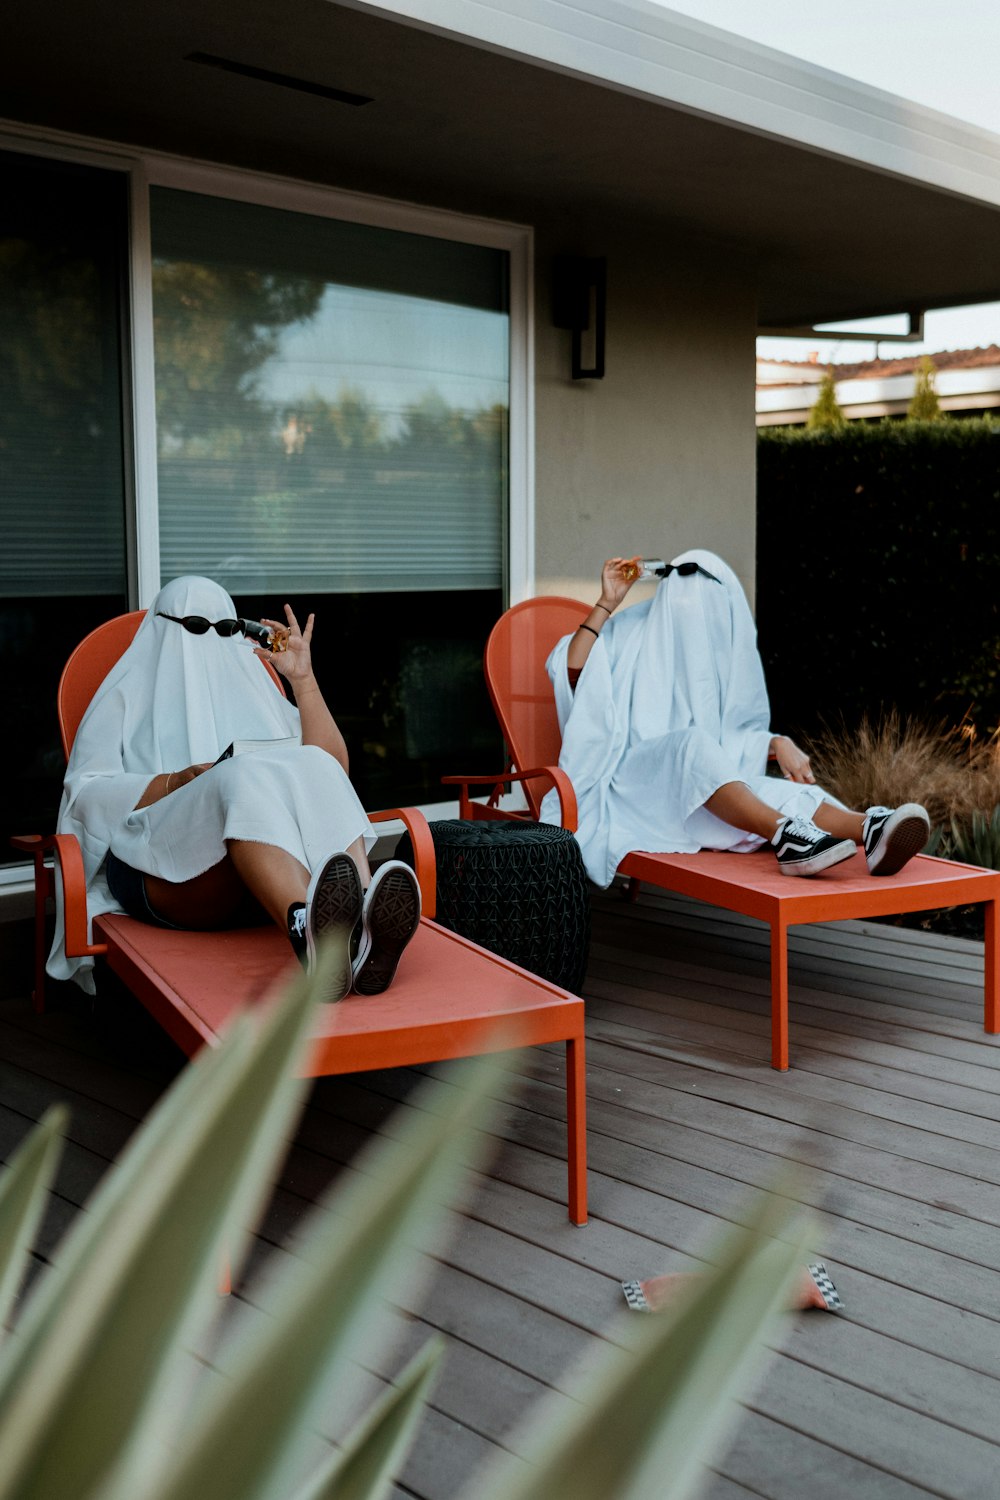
[(670, 706), (173, 700)]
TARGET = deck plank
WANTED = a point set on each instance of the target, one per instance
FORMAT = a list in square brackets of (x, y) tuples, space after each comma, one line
[(891, 1112)]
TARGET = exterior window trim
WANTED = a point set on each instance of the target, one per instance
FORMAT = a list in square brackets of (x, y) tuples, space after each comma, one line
[(146, 169), (358, 208)]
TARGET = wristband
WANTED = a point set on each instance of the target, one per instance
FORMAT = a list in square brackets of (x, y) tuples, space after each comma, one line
[(605, 608), (595, 633)]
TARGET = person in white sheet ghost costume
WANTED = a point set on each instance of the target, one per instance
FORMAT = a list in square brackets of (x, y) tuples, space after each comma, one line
[(666, 736), (173, 837)]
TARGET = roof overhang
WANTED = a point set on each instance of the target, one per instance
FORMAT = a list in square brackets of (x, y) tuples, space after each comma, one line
[(843, 201)]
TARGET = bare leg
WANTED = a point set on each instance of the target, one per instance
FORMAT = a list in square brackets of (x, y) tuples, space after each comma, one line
[(736, 804), (207, 902), (360, 858), (272, 876), (839, 821)]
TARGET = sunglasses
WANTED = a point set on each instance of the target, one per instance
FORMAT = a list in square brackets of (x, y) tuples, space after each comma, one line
[(252, 629), (685, 569), (198, 625)]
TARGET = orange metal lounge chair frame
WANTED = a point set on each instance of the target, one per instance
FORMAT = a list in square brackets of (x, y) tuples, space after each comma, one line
[(450, 997), (522, 696)]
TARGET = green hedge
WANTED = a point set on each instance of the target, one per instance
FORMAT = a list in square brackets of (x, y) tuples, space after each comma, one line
[(878, 570)]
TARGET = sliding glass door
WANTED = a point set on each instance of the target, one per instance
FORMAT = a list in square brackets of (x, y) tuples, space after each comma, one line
[(63, 561), (332, 413)]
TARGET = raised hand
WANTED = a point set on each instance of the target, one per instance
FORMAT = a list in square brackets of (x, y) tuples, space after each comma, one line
[(295, 661), (616, 580)]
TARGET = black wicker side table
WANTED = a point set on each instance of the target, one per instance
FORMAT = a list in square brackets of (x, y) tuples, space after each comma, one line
[(518, 889)]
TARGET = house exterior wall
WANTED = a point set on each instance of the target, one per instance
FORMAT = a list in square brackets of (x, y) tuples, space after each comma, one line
[(655, 458), (658, 456)]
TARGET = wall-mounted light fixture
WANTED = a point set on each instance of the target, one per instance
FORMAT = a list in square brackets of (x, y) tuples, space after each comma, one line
[(579, 301)]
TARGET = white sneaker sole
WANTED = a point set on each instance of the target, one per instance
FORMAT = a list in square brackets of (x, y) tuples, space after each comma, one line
[(905, 833), (816, 863), (390, 917), (333, 909)]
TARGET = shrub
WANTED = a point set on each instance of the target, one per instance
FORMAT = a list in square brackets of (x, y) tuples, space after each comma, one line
[(975, 842), (826, 412), (924, 405), (878, 571), (893, 759)]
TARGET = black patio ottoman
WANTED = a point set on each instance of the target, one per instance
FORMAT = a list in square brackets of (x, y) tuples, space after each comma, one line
[(518, 889)]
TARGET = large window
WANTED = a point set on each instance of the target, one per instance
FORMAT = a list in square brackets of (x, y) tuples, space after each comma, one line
[(63, 236), (331, 407)]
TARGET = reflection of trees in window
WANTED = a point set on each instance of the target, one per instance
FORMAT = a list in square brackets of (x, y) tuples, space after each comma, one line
[(257, 486), (52, 380), (215, 328)]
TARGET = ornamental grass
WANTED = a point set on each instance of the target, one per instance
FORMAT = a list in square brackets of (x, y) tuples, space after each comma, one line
[(953, 771)]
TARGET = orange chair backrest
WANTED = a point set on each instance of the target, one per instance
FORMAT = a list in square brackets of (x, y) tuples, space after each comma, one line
[(519, 686), (91, 662)]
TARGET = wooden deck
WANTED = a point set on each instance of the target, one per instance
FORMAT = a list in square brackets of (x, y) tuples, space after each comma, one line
[(891, 1105)]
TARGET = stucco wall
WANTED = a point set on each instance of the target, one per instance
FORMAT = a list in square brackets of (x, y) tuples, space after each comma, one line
[(660, 454)]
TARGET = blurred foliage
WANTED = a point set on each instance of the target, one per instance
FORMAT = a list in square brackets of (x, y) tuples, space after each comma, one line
[(974, 840), (924, 405), (825, 414), (96, 1376)]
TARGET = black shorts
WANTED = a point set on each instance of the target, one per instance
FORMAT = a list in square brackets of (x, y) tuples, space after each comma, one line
[(128, 887)]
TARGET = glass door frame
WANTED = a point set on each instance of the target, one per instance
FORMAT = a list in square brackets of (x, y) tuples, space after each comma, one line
[(146, 169)]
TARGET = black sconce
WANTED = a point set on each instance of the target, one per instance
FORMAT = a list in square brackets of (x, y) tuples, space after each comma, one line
[(579, 300)]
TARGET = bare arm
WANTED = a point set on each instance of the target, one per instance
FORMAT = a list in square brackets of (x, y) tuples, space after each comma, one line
[(168, 781), (295, 664), (794, 763), (614, 587)]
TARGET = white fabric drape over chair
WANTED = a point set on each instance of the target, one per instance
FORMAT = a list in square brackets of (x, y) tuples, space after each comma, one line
[(670, 706), (174, 700)]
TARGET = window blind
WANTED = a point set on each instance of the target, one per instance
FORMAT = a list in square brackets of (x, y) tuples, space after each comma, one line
[(331, 401)]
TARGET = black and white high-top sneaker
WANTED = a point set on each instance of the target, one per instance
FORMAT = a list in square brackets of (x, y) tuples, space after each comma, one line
[(333, 913), (390, 917), (803, 849), (894, 835)]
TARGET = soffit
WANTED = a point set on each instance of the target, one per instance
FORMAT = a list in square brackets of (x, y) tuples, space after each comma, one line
[(474, 127)]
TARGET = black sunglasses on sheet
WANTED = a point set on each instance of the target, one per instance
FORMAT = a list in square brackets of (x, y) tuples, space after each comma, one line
[(252, 629), (685, 569), (198, 625)]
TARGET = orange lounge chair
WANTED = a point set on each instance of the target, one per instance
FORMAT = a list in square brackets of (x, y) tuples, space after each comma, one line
[(450, 998), (522, 696)]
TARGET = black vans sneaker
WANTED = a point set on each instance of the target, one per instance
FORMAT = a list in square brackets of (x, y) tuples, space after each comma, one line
[(894, 835), (389, 919), (803, 849)]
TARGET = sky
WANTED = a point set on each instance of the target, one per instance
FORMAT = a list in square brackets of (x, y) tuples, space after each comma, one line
[(945, 57)]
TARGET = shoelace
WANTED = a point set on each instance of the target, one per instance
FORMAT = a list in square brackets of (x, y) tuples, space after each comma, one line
[(802, 828)]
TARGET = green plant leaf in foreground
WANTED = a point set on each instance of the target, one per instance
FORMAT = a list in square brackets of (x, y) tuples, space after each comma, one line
[(365, 1468), (100, 1339), (88, 1408), (649, 1416), (23, 1190), (324, 1301)]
